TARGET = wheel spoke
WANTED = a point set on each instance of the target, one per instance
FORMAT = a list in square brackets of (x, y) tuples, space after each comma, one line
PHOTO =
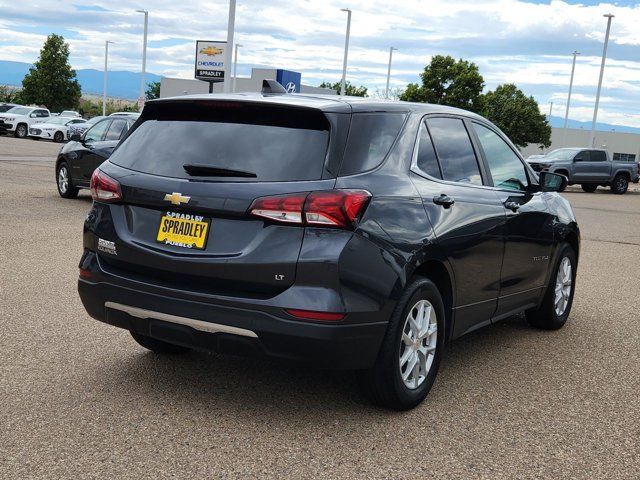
[(405, 357), (407, 339), (416, 374)]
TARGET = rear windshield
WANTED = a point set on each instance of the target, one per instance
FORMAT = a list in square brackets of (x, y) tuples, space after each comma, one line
[(269, 144)]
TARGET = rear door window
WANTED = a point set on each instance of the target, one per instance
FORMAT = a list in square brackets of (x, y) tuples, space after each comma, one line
[(371, 136), (271, 144), (598, 156), (455, 150)]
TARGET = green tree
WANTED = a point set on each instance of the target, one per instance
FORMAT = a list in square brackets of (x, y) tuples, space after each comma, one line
[(517, 115), (446, 81), (51, 81), (349, 89), (153, 90)]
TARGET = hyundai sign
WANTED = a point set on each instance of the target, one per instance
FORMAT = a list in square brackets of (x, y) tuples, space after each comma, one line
[(289, 80), (210, 60)]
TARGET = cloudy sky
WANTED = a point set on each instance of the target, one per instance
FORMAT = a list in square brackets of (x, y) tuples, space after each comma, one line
[(525, 42)]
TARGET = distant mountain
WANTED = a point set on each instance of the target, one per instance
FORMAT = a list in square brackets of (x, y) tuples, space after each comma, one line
[(121, 84), (558, 122)]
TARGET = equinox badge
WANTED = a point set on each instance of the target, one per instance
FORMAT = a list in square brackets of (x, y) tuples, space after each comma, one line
[(176, 198)]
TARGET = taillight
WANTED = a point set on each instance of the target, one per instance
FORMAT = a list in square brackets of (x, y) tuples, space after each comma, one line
[(328, 208), (281, 208), (104, 188)]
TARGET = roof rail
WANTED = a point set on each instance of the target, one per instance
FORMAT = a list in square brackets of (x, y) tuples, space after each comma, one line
[(272, 87)]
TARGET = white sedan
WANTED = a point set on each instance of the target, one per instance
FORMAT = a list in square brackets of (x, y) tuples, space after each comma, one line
[(56, 128)]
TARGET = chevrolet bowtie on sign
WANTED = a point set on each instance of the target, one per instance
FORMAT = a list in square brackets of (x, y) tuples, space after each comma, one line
[(210, 60)]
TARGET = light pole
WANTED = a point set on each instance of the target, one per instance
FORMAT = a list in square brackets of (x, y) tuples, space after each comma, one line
[(566, 113), (346, 51), (592, 140), (227, 51), (104, 80), (235, 65), (550, 108), (386, 91), (144, 55)]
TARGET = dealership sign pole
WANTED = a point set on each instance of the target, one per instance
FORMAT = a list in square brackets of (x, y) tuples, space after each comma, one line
[(210, 62)]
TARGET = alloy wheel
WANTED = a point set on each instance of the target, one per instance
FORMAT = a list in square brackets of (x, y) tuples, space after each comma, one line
[(564, 282), (63, 179), (418, 344)]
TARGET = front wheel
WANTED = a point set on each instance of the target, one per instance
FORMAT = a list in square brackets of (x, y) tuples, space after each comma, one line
[(552, 314), (410, 354), (58, 137), (64, 182), (589, 187), (620, 184), (21, 131)]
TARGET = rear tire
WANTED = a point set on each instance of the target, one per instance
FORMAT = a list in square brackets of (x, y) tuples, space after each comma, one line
[(620, 184), (157, 346), (58, 137), (589, 187), (556, 305), (64, 182), (410, 354)]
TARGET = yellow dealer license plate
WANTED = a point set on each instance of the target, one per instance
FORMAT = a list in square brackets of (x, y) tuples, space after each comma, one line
[(183, 230)]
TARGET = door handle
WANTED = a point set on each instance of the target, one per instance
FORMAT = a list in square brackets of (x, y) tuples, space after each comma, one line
[(511, 205), (445, 200)]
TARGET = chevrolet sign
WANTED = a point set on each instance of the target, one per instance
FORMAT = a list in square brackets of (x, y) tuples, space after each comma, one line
[(210, 60)]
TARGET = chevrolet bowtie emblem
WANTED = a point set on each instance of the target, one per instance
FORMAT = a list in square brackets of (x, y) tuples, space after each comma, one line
[(176, 198)]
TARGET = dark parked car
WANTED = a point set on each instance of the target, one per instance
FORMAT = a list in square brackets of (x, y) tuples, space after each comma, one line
[(80, 128), (347, 233), (81, 156)]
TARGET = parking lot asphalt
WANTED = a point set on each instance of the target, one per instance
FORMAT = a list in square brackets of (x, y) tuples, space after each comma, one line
[(79, 399)]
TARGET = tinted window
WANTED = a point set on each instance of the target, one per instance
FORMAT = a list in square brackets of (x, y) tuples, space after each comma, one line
[(116, 130), (274, 144), (42, 113), (426, 160), (95, 133), (371, 136), (583, 156), (598, 156), (455, 151), (506, 168)]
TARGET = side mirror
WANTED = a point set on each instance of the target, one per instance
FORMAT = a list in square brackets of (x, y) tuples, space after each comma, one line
[(76, 137), (552, 182)]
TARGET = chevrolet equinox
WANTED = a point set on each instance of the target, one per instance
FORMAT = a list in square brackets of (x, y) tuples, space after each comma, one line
[(341, 232)]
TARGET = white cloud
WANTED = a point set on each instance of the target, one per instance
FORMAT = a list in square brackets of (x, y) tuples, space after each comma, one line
[(511, 41)]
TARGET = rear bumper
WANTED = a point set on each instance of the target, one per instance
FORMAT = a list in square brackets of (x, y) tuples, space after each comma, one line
[(231, 327)]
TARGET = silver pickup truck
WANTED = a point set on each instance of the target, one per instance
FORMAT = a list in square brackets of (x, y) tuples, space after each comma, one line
[(589, 167)]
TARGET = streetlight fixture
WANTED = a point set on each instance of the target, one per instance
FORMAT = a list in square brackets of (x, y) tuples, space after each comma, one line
[(346, 51), (104, 80), (144, 55), (227, 51), (235, 66), (386, 91), (592, 140), (566, 113)]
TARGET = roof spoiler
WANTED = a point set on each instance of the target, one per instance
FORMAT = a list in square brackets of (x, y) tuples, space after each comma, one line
[(272, 87)]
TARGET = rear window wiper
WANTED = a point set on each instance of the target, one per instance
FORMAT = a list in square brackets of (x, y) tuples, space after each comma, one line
[(200, 170)]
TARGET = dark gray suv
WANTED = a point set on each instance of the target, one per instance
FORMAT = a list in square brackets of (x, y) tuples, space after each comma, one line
[(345, 233)]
